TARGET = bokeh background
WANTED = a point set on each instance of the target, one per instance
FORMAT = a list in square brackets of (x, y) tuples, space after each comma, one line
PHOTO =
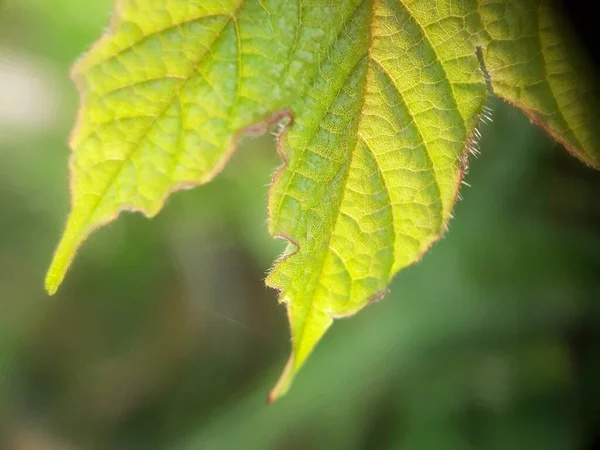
[(164, 336)]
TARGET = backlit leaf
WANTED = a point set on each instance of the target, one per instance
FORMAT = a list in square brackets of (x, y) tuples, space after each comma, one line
[(380, 100)]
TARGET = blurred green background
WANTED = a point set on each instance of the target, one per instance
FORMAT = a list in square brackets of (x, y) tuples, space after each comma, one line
[(164, 336)]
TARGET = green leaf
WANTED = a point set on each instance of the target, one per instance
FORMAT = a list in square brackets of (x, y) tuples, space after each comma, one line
[(380, 100), (375, 160), (534, 63)]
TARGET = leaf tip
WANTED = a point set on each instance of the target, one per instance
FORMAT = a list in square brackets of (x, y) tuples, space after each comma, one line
[(67, 247), (51, 284), (58, 268), (285, 381), (313, 327)]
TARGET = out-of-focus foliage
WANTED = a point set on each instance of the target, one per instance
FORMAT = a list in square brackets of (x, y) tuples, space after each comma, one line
[(165, 337)]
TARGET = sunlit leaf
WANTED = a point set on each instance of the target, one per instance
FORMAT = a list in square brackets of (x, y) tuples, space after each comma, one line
[(380, 101)]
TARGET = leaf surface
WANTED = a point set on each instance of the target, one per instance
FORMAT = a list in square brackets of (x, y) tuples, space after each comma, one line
[(168, 92), (534, 63), (373, 171), (381, 100)]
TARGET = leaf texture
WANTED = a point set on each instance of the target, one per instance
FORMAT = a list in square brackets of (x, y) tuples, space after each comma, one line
[(534, 63), (168, 92), (373, 172), (381, 99)]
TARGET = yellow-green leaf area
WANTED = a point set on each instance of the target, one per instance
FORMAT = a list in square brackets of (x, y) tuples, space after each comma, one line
[(167, 92), (373, 171), (380, 99), (535, 63)]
